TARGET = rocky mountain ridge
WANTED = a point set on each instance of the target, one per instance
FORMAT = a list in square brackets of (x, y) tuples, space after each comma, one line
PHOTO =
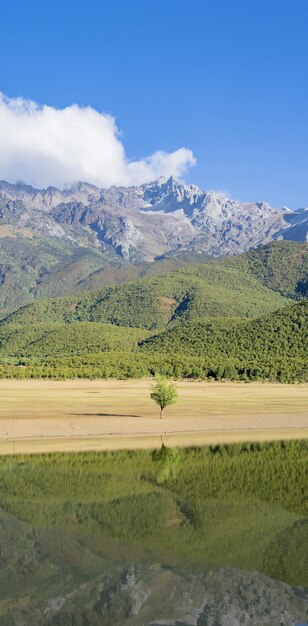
[(142, 223)]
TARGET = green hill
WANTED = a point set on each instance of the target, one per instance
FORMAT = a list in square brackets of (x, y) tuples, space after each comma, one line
[(215, 319), (45, 340), (34, 267), (273, 342), (272, 347), (117, 273), (281, 266), (196, 291)]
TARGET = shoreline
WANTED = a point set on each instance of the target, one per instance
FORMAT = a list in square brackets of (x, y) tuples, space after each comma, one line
[(133, 441), (44, 416)]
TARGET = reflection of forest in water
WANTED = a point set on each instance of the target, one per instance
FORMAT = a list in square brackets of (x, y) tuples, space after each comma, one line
[(206, 536)]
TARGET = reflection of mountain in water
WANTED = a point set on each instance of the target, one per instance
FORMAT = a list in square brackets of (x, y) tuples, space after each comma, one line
[(153, 596), (54, 578)]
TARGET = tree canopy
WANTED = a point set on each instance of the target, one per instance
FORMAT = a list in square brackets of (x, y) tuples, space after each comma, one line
[(164, 393)]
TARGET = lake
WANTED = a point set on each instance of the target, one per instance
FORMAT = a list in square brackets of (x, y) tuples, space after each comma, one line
[(201, 536)]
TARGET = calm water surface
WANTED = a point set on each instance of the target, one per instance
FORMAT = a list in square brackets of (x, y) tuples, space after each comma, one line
[(209, 536)]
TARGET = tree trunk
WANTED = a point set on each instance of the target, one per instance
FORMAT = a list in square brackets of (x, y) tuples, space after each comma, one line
[(161, 413)]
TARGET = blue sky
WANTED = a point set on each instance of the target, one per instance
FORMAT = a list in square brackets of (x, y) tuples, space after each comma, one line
[(226, 79)]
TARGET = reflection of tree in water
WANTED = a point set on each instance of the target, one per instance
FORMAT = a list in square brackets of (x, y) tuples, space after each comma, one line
[(89, 517)]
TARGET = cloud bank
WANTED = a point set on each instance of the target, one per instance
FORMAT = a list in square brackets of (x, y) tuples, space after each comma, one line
[(44, 146)]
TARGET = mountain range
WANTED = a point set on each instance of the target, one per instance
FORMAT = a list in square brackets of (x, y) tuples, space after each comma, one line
[(54, 242), (141, 280), (151, 220)]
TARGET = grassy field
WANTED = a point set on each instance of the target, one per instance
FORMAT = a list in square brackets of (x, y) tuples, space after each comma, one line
[(79, 415)]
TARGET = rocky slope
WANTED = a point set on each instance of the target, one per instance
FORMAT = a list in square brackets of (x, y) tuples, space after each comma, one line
[(149, 221)]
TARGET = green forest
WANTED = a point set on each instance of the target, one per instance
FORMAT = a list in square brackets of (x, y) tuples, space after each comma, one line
[(236, 318)]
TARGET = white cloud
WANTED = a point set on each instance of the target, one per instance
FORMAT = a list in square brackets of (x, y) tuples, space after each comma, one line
[(45, 146)]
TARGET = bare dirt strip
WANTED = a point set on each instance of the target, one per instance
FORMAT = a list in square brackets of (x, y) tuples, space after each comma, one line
[(42, 416)]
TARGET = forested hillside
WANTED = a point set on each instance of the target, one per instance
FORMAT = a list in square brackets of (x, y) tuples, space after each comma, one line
[(281, 266), (272, 347), (217, 319), (45, 340), (33, 267), (271, 343), (206, 290)]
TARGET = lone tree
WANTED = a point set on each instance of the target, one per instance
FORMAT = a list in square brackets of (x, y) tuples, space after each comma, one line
[(164, 394)]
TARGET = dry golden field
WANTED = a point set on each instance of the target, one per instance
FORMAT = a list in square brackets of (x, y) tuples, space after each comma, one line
[(40, 416)]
